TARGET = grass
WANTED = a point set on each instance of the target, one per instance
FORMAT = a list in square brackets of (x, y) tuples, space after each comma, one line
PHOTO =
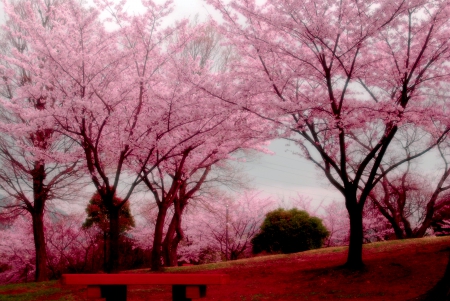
[(395, 270), (31, 291)]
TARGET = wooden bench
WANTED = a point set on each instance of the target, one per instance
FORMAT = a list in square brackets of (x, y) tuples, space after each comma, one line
[(113, 287)]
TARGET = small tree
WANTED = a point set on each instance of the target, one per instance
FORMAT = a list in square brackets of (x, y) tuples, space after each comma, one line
[(97, 214), (289, 231)]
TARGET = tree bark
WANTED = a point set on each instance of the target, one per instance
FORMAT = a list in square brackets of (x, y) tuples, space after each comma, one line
[(105, 263), (114, 233), (40, 248), (37, 213), (171, 242), (354, 257), (168, 244), (174, 235), (174, 250), (157, 238)]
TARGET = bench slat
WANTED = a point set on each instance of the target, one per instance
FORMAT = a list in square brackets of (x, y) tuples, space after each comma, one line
[(128, 279)]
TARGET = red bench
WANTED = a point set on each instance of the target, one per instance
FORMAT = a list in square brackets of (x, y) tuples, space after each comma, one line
[(113, 287)]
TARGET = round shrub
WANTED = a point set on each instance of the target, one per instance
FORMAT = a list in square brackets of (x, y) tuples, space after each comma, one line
[(289, 231)]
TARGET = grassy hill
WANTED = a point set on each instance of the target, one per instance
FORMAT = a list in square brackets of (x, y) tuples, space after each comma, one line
[(395, 270)]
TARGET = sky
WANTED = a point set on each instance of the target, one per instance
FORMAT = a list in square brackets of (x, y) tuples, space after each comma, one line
[(285, 175)]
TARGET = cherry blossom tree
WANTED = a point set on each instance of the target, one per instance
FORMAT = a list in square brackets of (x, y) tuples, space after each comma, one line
[(105, 83), (224, 226), (375, 225), (187, 173), (42, 57), (410, 205), (54, 70), (17, 251), (215, 132), (119, 95), (341, 77), (69, 247), (335, 219), (204, 225), (31, 174)]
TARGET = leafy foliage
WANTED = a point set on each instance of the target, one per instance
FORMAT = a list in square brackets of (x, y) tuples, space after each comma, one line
[(289, 231), (97, 213)]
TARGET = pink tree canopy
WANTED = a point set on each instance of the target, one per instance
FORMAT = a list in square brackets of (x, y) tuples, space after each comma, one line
[(123, 97), (341, 77)]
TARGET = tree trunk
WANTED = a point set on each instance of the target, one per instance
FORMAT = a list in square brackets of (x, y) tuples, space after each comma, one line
[(105, 262), (114, 233), (157, 239), (425, 224), (37, 212), (174, 235), (354, 257), (394, 222), (40, 249), (174, 250), (168, 243)]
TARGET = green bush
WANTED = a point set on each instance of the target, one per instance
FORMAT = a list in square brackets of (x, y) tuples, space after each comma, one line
[(289, 231)]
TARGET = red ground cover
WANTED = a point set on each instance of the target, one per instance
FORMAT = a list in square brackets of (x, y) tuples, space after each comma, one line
[(395, 270)]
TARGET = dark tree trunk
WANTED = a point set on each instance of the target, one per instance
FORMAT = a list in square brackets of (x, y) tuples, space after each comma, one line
[(157, 239), (398, 231), (114, 233), (174, 250), (394, 222), (354, 257), (426, 224), (40, 249), (105, 257), (37, 213), (234, 255), (168, 244), (170, 248), (174, 235)]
